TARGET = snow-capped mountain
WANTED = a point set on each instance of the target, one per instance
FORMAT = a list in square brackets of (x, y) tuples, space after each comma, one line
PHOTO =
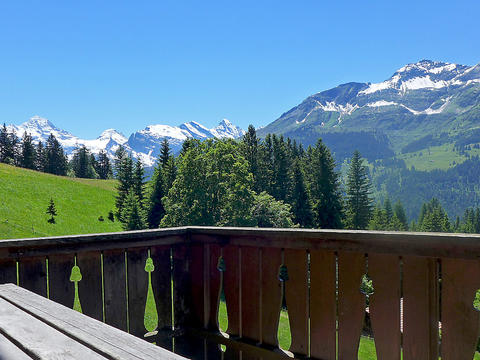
[(144, 144), (148, 141), (423, 98)]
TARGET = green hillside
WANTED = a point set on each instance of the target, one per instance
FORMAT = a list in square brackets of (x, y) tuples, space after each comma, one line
[(25, 194)]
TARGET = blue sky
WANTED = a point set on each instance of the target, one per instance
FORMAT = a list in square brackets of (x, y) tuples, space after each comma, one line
[(92, 65)]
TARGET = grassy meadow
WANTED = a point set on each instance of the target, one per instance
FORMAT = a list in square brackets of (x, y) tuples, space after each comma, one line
[(25, 195)]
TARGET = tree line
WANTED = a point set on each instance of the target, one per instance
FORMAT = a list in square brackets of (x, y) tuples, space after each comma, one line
[(50, 157)]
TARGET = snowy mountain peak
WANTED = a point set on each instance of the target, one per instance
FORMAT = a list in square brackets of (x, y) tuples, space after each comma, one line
[(225, 129), (38, 122), (113, 134)]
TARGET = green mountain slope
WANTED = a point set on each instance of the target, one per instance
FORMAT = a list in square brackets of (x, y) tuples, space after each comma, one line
[(25, 194)]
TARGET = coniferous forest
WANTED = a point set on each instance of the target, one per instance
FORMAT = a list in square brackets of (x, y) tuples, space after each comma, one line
[(270, 182)]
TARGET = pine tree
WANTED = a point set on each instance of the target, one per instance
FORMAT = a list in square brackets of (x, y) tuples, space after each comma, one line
[(81, 162), (55, 159), (324, 187), (28, 156), (40, 157), (132, 216), (52, 211), (358, 200), (156, 210), (399, 213), (124, 172), (280, 169), (104, 169), (388, 209), (250, 146), (164, 153), (8, 142), (299, 199), (138, 185), (378, 220), (170, 173)]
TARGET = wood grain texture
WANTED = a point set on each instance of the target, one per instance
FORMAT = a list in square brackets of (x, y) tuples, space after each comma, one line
[(137, 290), (42, 342), (103, 339), (33, 275), (8, 271), (90, 287), (323, 304), (384, 271), (182, 298), (214, 286), (62, 290), (9, 351), (250, 293), (198, 275), (420, 308), (351, 303), (114, 277), (296, 293), (231, 287), (162, 290), (271, 295), (460, 320)]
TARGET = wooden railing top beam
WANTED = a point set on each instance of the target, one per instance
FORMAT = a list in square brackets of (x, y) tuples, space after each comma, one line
[(465, 246)]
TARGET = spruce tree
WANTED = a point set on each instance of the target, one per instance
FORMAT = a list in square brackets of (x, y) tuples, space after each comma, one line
[(55, 159), (170, 172), (52, 211), (156, 210), (399, 213), (280, 169), (358, 200), (27, 159), (124, 172), (133, 217), (388, 209), (8, 143), (164, 153), (299, 199), (324, 187), (40, 157), (104, 169), (250, 145), (139, 181)]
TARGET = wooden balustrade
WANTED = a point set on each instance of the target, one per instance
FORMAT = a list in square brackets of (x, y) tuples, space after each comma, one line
[(420, 281)]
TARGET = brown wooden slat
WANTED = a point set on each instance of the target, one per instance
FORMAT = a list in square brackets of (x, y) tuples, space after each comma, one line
[(384, 270), (137, 290), (114, 275), (271, 295), (296, 293), (90, 287), (351, 303), (162, 290), (323, 304), (198, 284), (8, 271), (250, 293), (62, 290), (420, 308), (182, 297), (460, 320), (33, 275), (231, 287), (214, 285)]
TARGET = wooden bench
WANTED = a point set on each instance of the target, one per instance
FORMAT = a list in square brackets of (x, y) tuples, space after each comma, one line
[(32, 326)]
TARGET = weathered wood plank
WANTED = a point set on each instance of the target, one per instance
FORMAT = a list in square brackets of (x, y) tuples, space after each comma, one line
[(162, 290), (271, 295), (137, 290), (8, 271), (460, 321), (420, 308), (198, 274), (250, 293), (33, 275), (90, 287), (351, 303), (114, 277), (214, 286), (384, 270), (296, 293), (62, 290), (42, 342), (8, 351), (181, 286), (323, 304), (231, 287), (107, 340)]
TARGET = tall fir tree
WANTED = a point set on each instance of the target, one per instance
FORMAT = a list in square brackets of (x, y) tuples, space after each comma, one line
[(27, 159), (124, 174), (51, 211), (324, 187), (104, 169), (358, 199), (55, 159), (40, 157), (139, 181), (299, 199), (250, 146), (156, 210), (399, 213), (82, 163), (133, 217), (164, 153), (280, 168), (170, 172)]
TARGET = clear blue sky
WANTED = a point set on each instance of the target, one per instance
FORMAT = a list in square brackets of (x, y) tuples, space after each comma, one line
[(92, 65)]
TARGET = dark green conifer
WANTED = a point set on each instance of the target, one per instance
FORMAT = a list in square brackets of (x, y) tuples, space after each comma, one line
[(52, 211)]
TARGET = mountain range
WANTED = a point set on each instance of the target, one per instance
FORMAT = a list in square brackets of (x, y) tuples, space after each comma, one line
[(144, 144), (427, 98)]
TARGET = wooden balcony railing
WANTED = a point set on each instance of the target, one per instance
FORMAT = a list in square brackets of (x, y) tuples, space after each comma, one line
[(420, 280)]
